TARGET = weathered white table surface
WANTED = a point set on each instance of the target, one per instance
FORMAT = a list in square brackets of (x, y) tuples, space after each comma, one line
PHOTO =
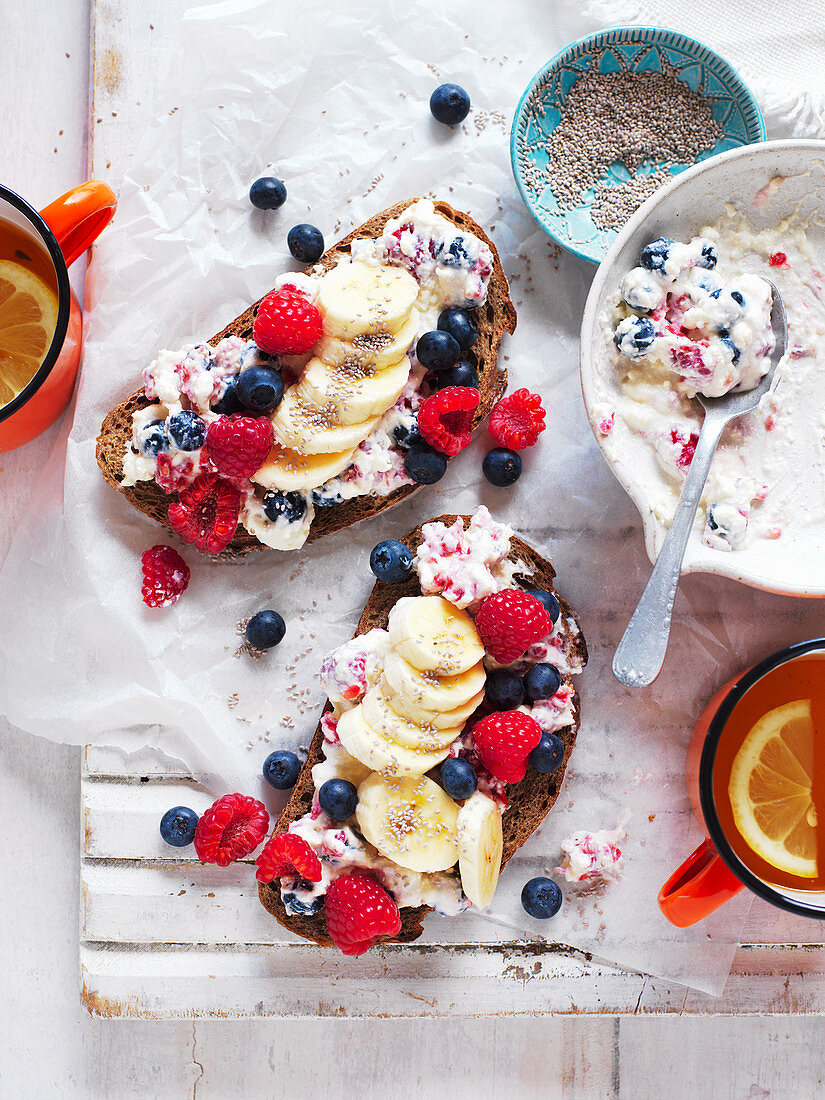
[(137, 947)]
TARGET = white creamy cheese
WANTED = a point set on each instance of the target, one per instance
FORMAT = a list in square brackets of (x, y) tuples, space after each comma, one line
[(754, 490), (465, 565)]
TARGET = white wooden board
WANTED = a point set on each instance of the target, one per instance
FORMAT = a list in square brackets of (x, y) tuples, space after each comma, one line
[(166, 937)]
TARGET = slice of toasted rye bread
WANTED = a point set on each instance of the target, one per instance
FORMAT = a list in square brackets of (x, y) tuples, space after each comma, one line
[(494, 318), (529, 801)]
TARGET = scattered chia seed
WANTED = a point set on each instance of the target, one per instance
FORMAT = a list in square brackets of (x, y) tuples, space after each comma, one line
[(650, 119)]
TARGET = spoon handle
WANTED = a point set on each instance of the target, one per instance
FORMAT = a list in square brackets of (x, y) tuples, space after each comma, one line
[(641, 652)]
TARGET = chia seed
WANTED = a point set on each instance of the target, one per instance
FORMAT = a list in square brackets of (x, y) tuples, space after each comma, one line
[(641, 120)]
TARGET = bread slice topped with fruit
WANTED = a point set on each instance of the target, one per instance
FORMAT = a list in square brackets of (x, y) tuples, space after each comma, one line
[(450, 719), (301, 417)]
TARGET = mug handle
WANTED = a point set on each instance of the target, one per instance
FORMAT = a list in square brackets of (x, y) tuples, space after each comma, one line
[(700, 886), (80, 216)]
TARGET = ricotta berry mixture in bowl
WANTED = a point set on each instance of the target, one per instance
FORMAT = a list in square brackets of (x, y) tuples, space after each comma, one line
[(681, 308)]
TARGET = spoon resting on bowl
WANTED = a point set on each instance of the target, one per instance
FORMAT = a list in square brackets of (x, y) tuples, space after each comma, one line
[(641, 652)]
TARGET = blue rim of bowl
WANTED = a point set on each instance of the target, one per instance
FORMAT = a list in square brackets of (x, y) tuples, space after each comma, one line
[(750, 107)]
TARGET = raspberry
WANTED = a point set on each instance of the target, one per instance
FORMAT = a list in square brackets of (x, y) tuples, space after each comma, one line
[(165, 576), (206, 514), (287, 854), (286, 323), (446, 418), (359, 912), (518, 420), (509, 622), (504, 741), (239, 445), (230, 829)]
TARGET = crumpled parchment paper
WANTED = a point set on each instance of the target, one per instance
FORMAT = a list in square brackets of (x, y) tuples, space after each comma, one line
[(334, 101)]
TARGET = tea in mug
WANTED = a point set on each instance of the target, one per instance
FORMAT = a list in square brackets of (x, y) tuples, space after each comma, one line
[(28, 308), (769, 776)]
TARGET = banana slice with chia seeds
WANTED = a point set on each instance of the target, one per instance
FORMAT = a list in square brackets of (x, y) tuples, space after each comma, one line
[(311, 428), (433, 635), (410, 821), (357, 298), (377, 752), (429, 690), (357, 397), (408, 707), (373, 351), (385, 718), (287, 469)]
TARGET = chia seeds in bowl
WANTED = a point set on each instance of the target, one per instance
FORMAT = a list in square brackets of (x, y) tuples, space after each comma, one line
[(611, 119)]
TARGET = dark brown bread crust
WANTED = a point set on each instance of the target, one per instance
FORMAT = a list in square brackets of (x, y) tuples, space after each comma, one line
[(530, 800), (495, 317)]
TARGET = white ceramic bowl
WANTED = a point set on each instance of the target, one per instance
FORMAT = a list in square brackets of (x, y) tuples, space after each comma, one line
[(795, 564)]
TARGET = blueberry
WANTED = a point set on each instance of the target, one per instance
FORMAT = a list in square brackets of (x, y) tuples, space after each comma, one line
[(462, 374), (453, 253), (710, 257), (267, 193), (391, 561), (734, 350), (229, 402), (501, 466), (548, 602), (325, 497), (714, 524), (425, 465), (461, 326), (406, 435), (260, 389), (504, 690), (297, 907), (458, 778), (338, 798), (306, 243), (634, 335), (290, 506), (541, 681), (654, 255), (449, 104), (548, 753), (281, 768), (186, 430), (437, 350), (153, 439), (265, 630), (177, 826), (737, 297), (541, 898)]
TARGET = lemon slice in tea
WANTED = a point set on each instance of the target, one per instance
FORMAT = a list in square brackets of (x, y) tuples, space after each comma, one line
[(28, 315), (770, 789)]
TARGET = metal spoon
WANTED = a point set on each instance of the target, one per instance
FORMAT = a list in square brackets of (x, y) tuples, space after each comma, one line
[(641, 652)]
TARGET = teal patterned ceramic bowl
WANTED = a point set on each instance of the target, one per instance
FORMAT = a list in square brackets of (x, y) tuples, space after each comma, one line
[(632, 49)]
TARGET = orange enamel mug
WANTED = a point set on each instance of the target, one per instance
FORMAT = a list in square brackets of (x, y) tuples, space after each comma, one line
[(65, 229), (713, 874)]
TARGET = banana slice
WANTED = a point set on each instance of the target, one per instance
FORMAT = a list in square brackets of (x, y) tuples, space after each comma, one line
[(381, 715), (434, 636), (410, 709), (377, 752), (286, 469), (357, 398), (356, 298), (410, 821), (312, 429), (480, 847), (428, 690), (371, 351)]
